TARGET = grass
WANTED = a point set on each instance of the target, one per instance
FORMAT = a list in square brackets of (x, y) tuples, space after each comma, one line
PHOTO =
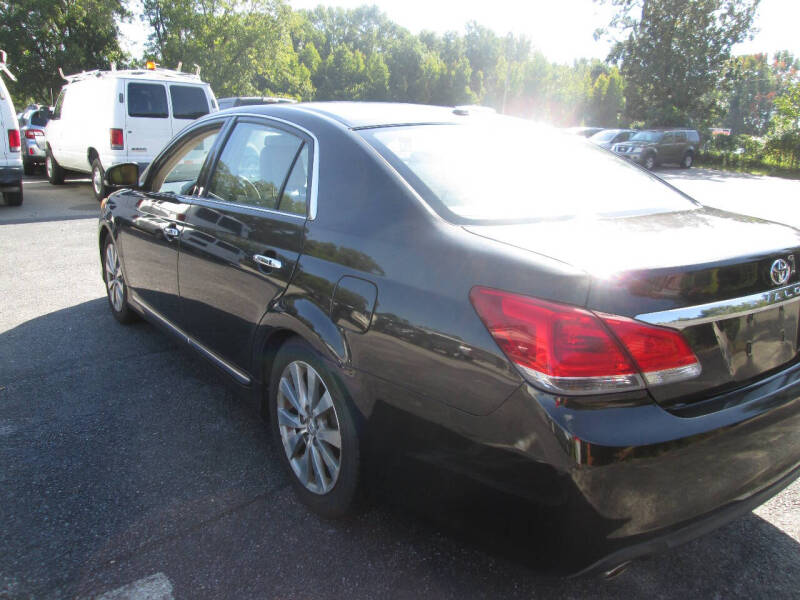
[(741, 163)]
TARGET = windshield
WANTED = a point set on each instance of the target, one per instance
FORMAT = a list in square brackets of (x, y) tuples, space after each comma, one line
[(647, 136), (605, 136), (510, 170)]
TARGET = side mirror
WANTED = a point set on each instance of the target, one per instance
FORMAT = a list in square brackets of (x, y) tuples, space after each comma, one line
[(124, 175)]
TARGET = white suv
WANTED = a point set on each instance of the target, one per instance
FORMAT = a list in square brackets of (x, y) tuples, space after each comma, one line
[(10, 155), (103, 118)]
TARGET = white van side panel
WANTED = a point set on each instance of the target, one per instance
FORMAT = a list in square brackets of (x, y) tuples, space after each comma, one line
[(8, 120)]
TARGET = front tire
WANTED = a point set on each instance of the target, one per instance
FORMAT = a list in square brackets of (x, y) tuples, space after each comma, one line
[(14, 198), (314, 430), (55, 174), (98, 184), (116, 288), (649, 162)]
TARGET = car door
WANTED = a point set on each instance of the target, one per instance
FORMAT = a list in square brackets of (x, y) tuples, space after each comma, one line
[(244, 234), (150, 239), (148, 126), (666, 149)]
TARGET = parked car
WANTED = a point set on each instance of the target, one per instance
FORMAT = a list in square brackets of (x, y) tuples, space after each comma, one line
[(658, 146), (377, 276), (10, 155), (32, 122), (584, 131), (252, 101), (103, 118), (608, 137)]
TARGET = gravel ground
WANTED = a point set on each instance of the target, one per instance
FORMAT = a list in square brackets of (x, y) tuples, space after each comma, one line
[(130, 469)]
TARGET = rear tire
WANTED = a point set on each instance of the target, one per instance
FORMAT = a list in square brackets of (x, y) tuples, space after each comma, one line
[(55, 174), (28, 167), (98, 185), (13, 198), (687, 161), (116, 287), (309, 416)]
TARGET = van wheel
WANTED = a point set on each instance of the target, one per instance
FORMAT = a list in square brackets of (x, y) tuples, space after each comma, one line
[(14, 198), (98, 185), (315, 430), (688, 160), (55, 174)]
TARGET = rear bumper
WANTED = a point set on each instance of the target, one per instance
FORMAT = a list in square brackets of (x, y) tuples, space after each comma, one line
[(624, 479), (11, 178)]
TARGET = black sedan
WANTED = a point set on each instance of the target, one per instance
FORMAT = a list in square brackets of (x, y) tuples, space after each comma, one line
[(587, 339)]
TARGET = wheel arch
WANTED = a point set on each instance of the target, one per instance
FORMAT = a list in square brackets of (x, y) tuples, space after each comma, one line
[(91, 154)]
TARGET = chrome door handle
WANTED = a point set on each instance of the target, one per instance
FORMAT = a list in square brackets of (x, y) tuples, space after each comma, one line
[(267, 261), (171, 232)]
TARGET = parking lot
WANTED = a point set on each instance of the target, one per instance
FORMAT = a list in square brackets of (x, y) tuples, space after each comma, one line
[(130, 469)]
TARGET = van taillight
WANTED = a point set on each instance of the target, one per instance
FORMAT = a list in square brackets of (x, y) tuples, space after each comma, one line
[(569, 350), (117, 141), (13, 140)]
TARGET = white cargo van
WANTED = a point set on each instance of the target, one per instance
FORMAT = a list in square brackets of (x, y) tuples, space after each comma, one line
[(103, 118), (10, 155)]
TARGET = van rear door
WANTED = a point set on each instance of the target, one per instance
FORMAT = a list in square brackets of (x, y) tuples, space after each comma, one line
[(189, 102), (148, 126)]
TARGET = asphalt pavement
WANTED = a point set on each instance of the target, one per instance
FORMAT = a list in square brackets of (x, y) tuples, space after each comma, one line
[(130, 469)]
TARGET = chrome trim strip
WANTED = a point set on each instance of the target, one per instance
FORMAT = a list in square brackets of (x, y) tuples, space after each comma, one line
[(681, 318), (236, 373), (201, 200), (312, 202)]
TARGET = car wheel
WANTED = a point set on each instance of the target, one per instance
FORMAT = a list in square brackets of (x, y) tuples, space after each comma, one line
[(55, 174), (649, 162), (314, 429), (98, 185), (13, 198), (688, 160), (116, 289), (28, 167)]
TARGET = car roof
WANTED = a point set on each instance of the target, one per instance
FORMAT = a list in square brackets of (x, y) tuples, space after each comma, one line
[(359, 115)]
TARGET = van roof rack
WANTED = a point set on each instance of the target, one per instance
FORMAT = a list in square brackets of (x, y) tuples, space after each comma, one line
[(167, 73), (4, 67)]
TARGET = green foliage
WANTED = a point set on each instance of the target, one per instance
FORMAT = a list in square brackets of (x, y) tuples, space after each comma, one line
[(672, 54), (42, 35)]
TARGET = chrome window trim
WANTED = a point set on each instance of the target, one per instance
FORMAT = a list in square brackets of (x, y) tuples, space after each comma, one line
[(681, 318), (201, 200), (312, 200)]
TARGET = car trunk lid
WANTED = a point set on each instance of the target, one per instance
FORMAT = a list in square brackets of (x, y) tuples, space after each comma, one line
[(703, 271)]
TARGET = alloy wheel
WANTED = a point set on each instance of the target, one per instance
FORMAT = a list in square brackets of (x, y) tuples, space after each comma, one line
[(48, 163), (114, 280), (309, 427), (97, 181)]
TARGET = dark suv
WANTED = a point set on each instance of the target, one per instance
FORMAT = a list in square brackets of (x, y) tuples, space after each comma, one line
[(658, 146)]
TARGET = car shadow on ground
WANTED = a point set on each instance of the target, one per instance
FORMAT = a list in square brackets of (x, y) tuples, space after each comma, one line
[(124, 454)]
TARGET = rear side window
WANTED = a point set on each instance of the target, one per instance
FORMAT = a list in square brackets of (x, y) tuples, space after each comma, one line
[(147, 100), (59, 104), (188, 102), (694, 137), (680, 136)]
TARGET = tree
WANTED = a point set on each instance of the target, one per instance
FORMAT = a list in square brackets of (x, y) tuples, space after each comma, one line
[(672, 54), (244, 47), (42, 35)]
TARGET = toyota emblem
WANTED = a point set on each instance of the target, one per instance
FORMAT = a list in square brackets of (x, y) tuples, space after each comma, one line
[(780, 272)]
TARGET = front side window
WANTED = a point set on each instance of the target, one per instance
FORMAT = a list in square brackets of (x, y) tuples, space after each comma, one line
[(254, 165), (188, 102), (147, 100), (490, 171), (646, 136), (179, 174)]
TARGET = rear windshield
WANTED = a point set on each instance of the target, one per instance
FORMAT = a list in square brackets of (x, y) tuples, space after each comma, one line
[(509, 170), (147, 100), (40, 117), (188, 102)]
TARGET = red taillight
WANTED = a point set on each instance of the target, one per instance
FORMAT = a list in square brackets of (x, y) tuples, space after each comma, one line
[(117, 140), (13, 140), (32, 134), (569, 350)]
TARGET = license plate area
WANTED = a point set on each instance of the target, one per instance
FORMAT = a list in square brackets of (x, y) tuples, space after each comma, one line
[(759, 342)]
